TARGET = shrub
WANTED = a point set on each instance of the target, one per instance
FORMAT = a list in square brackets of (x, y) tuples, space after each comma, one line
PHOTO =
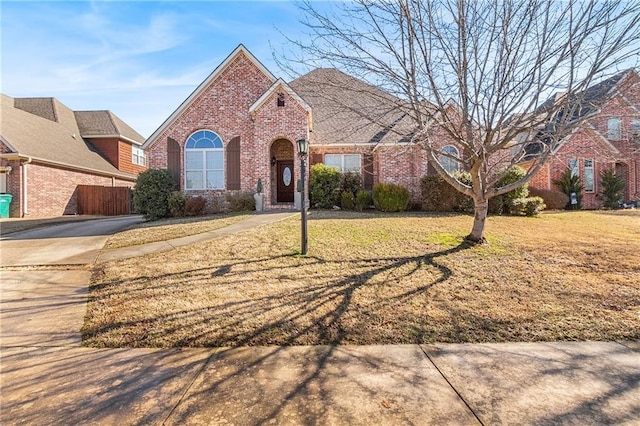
[(496, 205), (531, 206), (350, 182), (177, 201), (389, 197), (364, 200), (242, 201), (612, 188), (151, 193), (554, 200), (569, 184), (437, 195), (195, 206), (504, 202), (324, 186), (347, 200)]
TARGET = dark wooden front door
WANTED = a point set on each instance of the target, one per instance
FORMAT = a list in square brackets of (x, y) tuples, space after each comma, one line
[(286, 183)]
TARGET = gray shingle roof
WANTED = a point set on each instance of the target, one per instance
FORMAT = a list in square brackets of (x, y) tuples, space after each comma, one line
[(105, 123), (347, 110), (58, 141)]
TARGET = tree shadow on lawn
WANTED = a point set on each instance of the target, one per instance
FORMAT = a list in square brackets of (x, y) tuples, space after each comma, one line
[(312, 313), (293, 314)]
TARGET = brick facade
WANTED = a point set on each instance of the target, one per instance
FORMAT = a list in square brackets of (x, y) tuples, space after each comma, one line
[(592, 142), (51, 191), (222, 106)]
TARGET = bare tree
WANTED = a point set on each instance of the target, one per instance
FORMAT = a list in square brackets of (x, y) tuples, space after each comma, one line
[(503, 78)]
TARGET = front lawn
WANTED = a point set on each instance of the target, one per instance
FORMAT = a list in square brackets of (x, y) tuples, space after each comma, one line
[(379, 279)]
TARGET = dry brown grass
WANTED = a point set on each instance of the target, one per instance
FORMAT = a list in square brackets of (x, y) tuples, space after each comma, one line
[(378, 279), (167, 229)]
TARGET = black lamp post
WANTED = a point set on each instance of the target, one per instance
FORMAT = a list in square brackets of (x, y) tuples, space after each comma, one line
[(303, 151)]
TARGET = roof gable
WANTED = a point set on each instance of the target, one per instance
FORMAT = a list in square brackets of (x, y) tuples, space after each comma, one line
[(279, 85), (240, 50)]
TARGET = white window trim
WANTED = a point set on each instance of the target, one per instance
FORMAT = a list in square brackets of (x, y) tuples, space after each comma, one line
[(204, 170), (592, 168), (138, 156), (618, 135), (342, 162)]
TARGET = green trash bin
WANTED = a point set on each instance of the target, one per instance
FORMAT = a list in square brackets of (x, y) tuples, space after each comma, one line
[(5, 202)]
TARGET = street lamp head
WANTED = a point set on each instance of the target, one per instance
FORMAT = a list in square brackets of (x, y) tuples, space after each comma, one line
[(303, 147)]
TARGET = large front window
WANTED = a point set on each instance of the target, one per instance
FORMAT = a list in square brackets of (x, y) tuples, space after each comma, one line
[(344, 162), (204, 161)]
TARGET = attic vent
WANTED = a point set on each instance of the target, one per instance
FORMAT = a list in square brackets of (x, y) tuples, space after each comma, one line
[(280, 99)]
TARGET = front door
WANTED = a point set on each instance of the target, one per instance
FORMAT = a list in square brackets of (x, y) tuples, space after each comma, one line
[(285, 184)]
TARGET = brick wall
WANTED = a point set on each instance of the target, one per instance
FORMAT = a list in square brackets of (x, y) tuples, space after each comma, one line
[(591, 143), (223, 107), (51, 191)]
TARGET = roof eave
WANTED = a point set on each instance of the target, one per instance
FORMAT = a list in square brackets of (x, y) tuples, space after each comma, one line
[(18, 156)]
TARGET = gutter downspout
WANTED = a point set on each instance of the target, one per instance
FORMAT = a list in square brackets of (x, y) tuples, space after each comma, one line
[(25, 187)]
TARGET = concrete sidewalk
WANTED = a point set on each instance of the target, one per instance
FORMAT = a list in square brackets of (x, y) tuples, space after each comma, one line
[(46, 377)]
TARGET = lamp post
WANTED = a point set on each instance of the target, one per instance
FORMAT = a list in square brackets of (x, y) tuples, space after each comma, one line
[(303, 151)]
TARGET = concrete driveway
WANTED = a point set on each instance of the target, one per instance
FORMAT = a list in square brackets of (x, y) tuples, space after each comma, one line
[(74, 243)]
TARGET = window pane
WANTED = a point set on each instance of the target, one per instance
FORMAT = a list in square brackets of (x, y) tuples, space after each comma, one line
[(352, 163), (194, 180), (215, 159), (573, 165), (193, 160), (333, 160), (449, 164), (588, 180), (215, 179), (613, 128)]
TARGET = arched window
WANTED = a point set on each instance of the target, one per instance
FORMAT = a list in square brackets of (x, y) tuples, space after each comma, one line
[(204, 161), (448, 160)]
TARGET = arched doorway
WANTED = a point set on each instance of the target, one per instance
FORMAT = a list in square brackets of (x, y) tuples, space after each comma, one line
[(282, 177)]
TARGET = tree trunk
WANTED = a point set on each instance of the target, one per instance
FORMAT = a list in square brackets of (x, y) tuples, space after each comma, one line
[(481, 207)]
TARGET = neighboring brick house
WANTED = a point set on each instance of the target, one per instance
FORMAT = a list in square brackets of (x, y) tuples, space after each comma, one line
[(609, 138), (241, 124), (47, 150)]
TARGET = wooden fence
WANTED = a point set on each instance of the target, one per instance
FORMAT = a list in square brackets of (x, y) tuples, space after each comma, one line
[(104, 200)]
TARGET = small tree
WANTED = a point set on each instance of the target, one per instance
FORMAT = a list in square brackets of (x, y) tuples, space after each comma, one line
[(151, 193), (570, 183), (612, 187)]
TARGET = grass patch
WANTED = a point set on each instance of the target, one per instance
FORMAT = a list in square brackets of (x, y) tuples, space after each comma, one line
[(379, 279), (167, 229)]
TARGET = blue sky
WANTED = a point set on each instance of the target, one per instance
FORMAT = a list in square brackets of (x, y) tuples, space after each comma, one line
[(139, 59)]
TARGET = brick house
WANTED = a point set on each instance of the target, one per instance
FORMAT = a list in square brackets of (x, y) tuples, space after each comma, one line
[(47, 150), (241, 124), (609, 138)]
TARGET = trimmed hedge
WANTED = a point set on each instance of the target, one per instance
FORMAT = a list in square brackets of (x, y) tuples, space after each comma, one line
[(389, 197)]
